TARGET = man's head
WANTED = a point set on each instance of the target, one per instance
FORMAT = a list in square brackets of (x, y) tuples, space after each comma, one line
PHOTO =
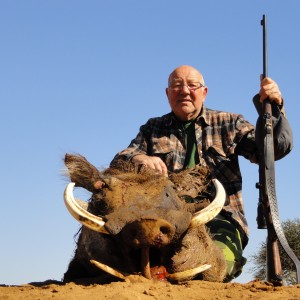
[(186, 92)]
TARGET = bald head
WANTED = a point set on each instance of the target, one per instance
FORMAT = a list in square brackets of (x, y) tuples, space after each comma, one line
[(185, 70)]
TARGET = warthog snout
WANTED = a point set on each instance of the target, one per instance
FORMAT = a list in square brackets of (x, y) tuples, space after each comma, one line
[(148, 233)]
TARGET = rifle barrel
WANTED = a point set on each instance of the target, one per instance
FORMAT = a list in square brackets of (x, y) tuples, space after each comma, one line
[(265, 46)]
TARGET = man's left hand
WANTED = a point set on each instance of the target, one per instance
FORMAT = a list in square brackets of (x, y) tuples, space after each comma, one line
[(269, 89)]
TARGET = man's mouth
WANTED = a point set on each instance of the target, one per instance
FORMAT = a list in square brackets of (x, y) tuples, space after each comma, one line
[(184, 100)]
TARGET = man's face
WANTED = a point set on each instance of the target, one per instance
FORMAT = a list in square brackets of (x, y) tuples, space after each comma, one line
[(185, 102)]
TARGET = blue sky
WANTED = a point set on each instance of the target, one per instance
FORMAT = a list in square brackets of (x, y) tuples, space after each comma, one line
[(82, 76)]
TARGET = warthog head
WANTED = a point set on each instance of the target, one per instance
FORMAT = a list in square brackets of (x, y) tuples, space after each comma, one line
[(136, 222)]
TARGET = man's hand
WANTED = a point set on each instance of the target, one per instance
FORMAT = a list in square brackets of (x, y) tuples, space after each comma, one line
[(152, 162), (269, 89)]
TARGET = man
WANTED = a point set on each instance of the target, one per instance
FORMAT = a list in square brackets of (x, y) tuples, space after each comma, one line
[(193, 134)]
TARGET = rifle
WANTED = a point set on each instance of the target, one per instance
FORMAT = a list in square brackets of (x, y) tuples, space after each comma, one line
[(267, 214)]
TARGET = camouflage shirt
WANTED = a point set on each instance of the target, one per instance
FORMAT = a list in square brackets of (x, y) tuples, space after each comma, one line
[(220, 138)]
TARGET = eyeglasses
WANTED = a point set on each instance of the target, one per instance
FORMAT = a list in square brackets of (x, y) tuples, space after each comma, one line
[(192, 86)]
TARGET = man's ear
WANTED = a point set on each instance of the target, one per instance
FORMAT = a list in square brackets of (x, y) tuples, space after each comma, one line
[(167, 92), (205, 91)]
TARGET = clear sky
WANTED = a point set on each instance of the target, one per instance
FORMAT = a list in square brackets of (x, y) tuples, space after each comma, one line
[(82, 76)]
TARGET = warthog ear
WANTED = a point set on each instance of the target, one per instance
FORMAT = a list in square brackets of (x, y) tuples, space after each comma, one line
[(83, 173)]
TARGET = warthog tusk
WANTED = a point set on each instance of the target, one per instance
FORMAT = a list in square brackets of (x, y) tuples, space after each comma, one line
[(188, 274), (80, 214), (109, 270), (178, 276), (209, 212), (145, 263)]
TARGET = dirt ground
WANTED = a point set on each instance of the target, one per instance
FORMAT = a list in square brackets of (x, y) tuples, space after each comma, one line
[(139, 289)]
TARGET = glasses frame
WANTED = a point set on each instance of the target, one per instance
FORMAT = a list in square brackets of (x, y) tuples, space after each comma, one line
[(180, 87)]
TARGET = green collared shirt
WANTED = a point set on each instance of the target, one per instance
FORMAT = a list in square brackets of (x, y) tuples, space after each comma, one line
[(192, 156)]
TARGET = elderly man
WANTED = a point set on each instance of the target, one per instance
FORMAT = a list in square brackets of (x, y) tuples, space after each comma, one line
[(192, 134)]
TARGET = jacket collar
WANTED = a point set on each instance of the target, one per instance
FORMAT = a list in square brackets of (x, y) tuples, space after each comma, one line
[(204, 116)]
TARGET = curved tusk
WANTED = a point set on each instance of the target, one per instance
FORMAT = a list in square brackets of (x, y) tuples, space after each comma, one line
[(209, 212), (145, 263), (80, 214), (188, 274), (109, 270)]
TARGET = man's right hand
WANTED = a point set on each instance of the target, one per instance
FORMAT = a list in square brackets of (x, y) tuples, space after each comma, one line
[(152, 162)]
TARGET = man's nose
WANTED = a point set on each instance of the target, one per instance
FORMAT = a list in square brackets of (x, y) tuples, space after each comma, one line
[(184, 89)]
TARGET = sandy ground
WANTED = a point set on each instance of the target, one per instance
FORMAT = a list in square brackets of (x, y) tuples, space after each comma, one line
[(139, 289)]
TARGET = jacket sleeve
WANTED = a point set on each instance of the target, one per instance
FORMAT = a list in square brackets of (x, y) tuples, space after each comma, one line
[(282, 131)]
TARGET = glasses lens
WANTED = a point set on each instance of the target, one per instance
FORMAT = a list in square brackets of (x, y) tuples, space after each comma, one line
[(194, 85), (191, 86)]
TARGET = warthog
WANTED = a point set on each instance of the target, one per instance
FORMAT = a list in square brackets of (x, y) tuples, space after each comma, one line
[(137, 223)]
